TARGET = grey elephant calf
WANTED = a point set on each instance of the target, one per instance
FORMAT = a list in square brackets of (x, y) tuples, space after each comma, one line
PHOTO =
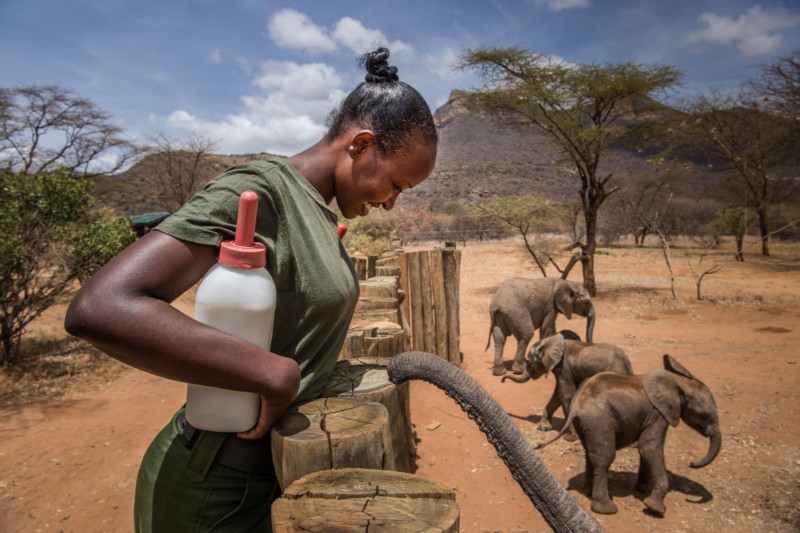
[(611, 411), (572, 362), (520, 306)]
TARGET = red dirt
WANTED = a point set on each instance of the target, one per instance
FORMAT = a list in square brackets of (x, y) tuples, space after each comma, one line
[(70, 464)]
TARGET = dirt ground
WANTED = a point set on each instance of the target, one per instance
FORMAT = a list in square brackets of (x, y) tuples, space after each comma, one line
[(70, 443)]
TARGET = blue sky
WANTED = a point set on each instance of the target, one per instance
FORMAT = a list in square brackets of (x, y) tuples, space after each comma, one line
[(262, 75)]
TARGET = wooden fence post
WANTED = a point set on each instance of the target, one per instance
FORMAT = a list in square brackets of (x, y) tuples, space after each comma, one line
[(451, 259)]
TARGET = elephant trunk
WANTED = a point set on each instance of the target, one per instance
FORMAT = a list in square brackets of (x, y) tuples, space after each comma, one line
[(521, 379), (714, 445), (551, 499), (590, 317)]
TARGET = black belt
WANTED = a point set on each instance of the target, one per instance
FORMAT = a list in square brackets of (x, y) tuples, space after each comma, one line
[(250, 456)]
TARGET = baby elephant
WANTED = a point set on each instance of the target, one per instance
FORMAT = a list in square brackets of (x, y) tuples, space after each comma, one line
[(611, 411), (572, 362)]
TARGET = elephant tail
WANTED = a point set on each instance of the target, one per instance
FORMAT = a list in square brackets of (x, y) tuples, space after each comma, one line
[(491, 327), (564, 429)]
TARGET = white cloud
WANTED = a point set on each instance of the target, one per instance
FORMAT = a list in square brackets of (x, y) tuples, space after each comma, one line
[(288, 116), (559, 5), (441, 64), (288, 111), (291, 29), (215, 56), (309, 81), (360, 39), (754, 32)]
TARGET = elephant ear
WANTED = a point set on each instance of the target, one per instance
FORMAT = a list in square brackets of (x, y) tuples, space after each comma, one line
[(664, 394), (552, 352), (674, 366), (564, 298)]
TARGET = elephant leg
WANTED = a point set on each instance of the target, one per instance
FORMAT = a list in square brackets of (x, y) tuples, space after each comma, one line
[(600, 455), (651, 451), (546, 423), (519, 358), (643, 477), (499, 337), (566, 392)]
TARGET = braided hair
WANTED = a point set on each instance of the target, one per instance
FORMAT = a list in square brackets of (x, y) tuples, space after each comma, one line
[(392, 109)]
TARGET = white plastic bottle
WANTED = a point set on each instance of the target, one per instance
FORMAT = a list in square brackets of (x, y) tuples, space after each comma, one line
[(236, 296)]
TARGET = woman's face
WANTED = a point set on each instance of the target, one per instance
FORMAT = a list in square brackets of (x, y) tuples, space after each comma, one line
[(375, 179)]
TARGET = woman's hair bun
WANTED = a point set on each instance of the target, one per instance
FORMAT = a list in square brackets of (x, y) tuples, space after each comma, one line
[(378, 69)]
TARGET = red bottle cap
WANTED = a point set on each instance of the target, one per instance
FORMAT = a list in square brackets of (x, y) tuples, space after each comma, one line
[(242, 252)]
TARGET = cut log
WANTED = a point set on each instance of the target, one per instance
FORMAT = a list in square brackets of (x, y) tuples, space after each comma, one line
[(379, 287), (367, 303), (353, 346), (331, 433), (367, 379), (357, 501), (388, 315)]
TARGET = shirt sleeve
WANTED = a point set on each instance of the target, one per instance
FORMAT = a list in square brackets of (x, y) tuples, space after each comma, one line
[(210, 216)]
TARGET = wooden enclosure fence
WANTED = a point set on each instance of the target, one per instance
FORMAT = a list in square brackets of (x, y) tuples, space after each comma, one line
[(361, 423), (430, 281), (409, 301)]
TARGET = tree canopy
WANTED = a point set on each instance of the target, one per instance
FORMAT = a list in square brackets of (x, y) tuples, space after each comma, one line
[(46, 128), (585, 109)]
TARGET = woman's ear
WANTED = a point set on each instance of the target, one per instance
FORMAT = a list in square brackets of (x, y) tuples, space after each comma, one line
[(664, 394), (563, 298), (360, 142)]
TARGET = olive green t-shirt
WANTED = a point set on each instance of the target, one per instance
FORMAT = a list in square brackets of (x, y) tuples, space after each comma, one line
[(317, 288)]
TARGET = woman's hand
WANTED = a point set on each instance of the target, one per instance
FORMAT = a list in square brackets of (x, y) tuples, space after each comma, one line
[(267, 418), (285, 381)]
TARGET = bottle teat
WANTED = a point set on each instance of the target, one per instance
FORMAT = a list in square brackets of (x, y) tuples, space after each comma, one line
[(243, 252)]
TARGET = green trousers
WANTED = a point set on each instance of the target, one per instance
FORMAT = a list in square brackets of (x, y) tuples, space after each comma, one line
[(180, 489)]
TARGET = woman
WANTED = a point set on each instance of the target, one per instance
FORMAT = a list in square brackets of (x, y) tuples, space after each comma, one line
[(381, 141)]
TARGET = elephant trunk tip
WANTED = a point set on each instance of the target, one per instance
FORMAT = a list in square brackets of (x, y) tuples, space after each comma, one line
[(715, 443), (521, 379)]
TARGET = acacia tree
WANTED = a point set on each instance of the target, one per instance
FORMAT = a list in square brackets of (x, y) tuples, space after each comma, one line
[(45, 128), (734, 221), (583, 108), (176, 169), (530, 216), (643, 204), (779, 83), (739, 133)]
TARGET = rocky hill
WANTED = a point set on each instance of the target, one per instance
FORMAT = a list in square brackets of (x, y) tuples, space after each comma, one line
[(480, 157), (483, 157)]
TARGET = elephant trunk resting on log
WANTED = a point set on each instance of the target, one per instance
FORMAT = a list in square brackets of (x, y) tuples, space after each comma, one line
[(551, 499)]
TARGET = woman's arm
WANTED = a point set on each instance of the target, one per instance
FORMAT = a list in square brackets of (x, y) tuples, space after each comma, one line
[(125, 311)]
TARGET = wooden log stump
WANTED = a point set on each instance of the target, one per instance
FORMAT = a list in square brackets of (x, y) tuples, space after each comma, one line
[(331, 433), (386, 343), (380, 287), (357, 501), (367, 379), (387, 315), (373, 337), (368, 303), (383, 271)]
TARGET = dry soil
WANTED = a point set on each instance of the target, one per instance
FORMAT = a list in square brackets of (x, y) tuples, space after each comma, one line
[(71, 440)]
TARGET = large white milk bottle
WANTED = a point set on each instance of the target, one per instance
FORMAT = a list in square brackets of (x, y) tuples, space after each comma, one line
[(236, 296)]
